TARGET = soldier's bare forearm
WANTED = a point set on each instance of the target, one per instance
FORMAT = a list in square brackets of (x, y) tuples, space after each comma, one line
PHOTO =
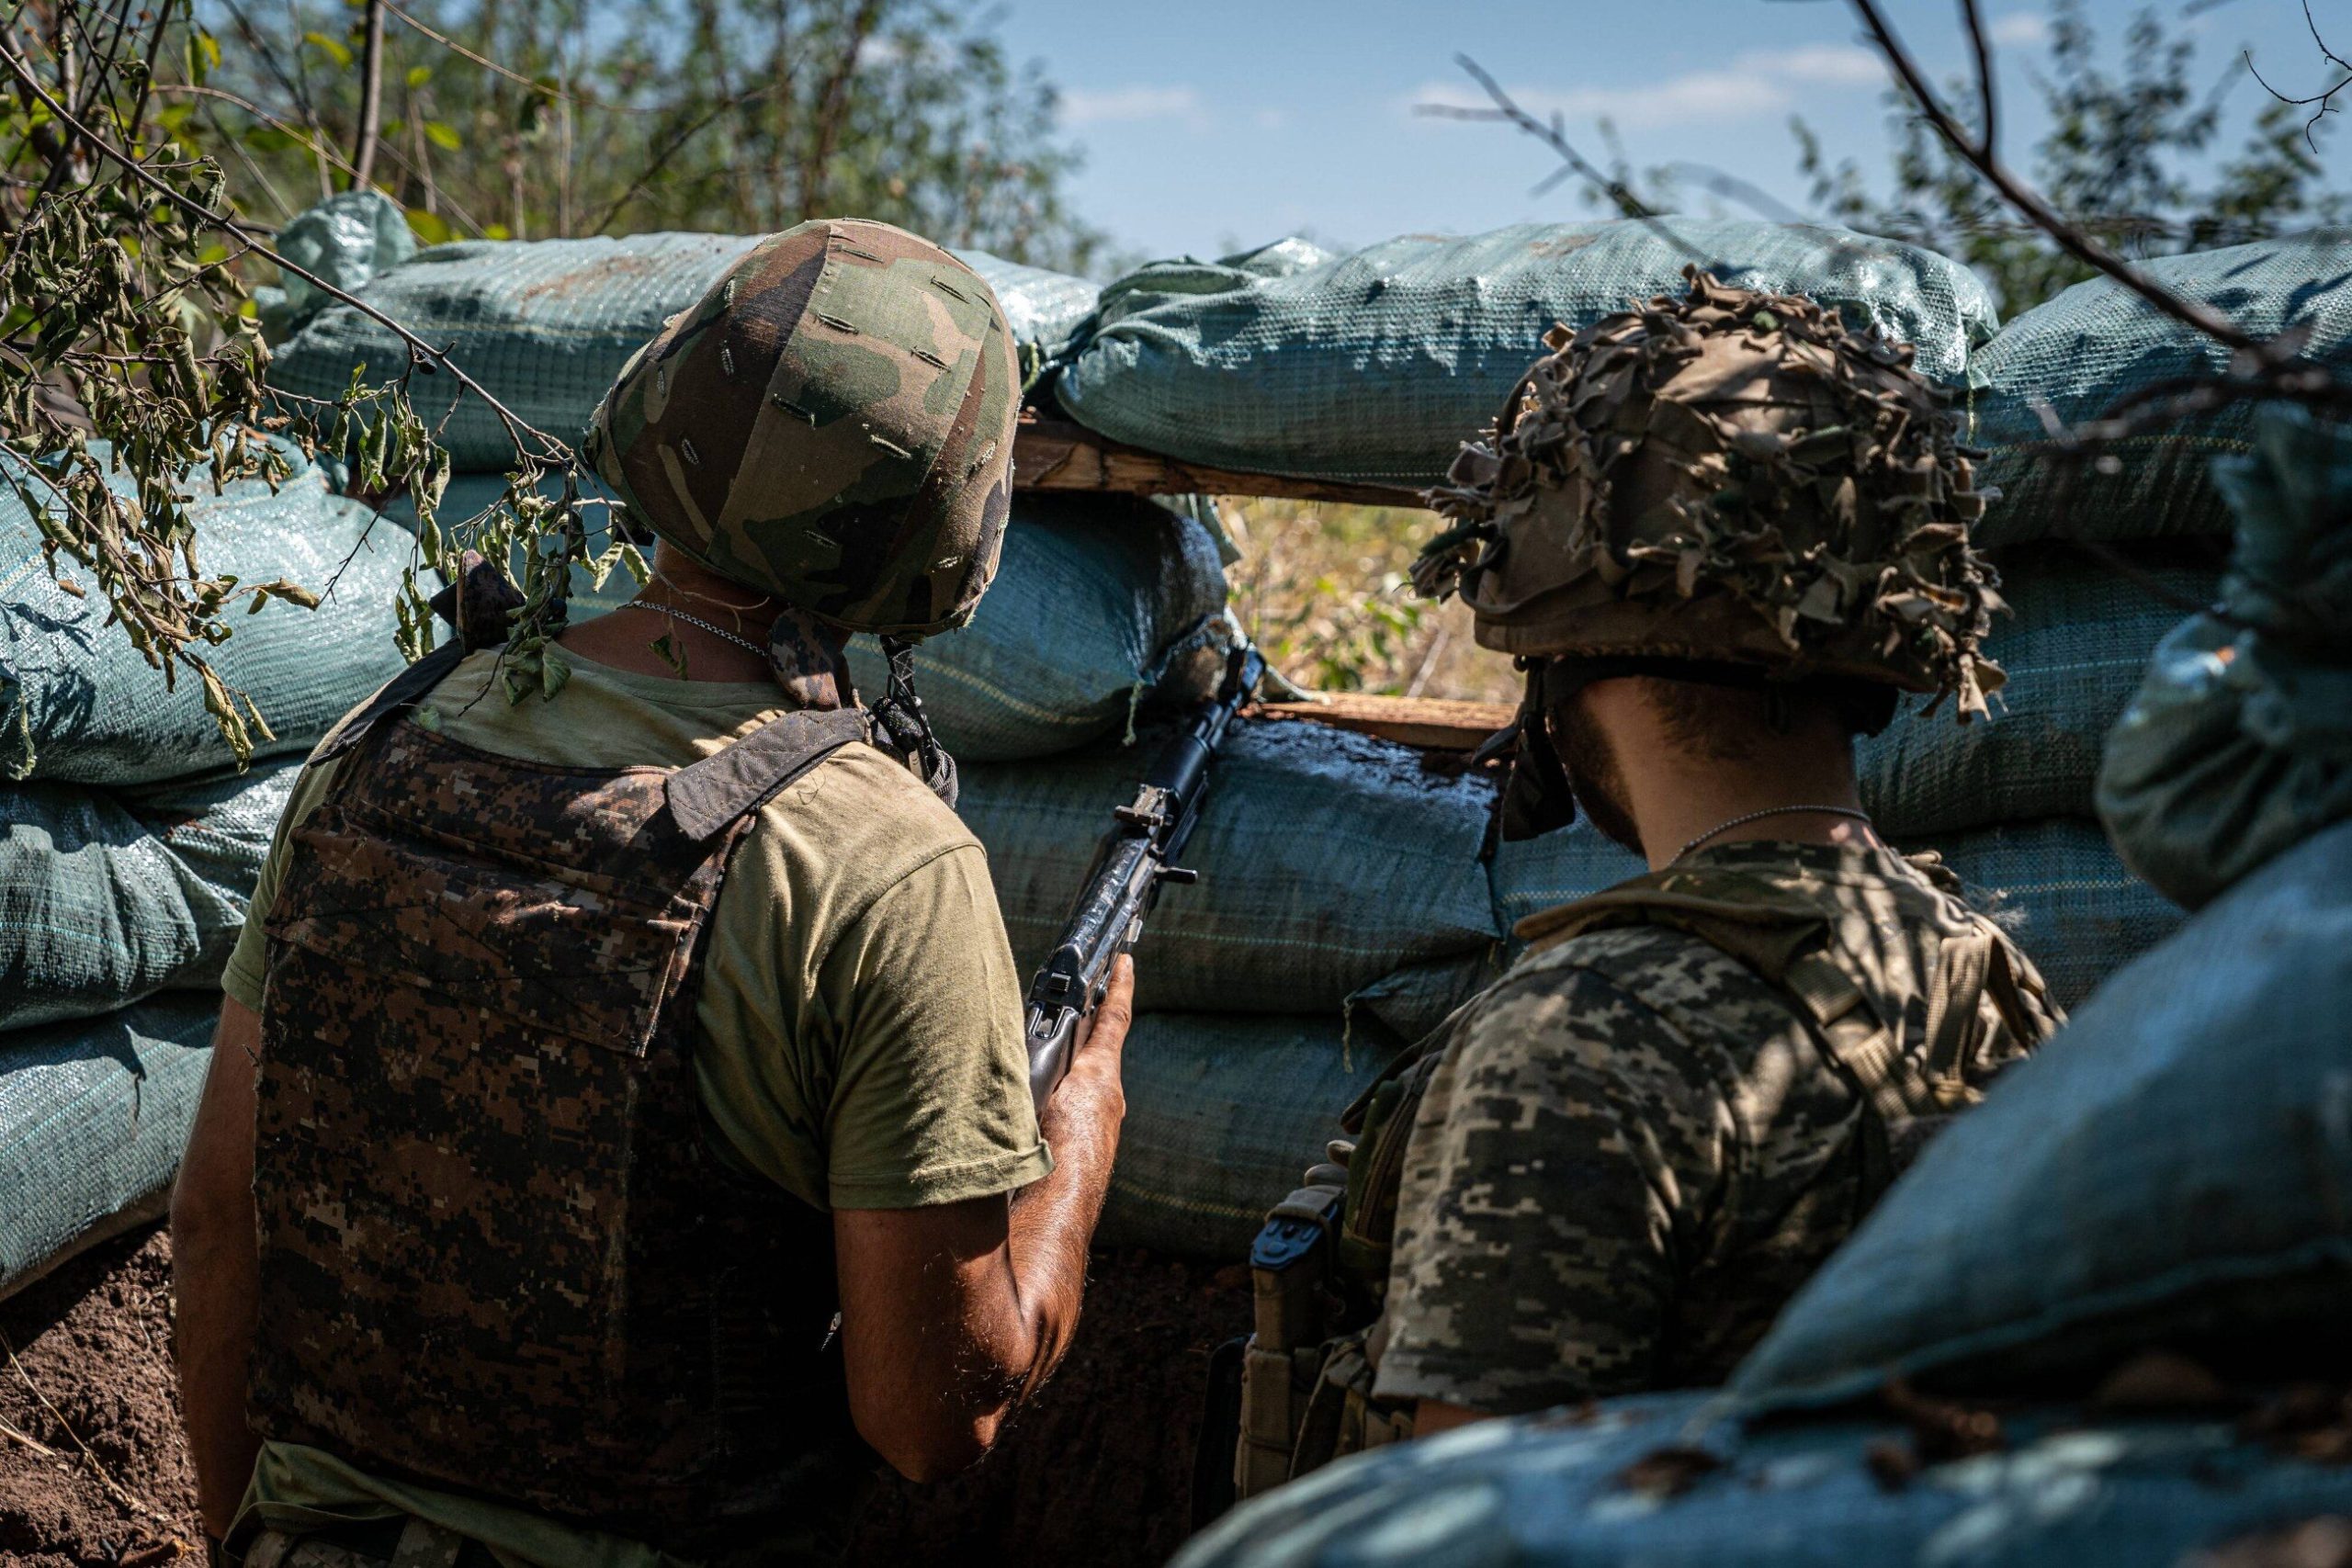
[(1054, 1219), (216, 1273), (952, 1315)]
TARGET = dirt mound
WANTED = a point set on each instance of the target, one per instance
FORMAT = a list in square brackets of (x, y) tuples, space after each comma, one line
[(93, 1473), (1098, 1470)]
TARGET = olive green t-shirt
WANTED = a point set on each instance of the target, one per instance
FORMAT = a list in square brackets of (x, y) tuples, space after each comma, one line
[(860, 1033)]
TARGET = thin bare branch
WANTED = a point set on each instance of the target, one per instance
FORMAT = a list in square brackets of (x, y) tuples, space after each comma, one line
[(2069, 238), (2325, 100), (371, 99), (1974, 16), (1553, 134)]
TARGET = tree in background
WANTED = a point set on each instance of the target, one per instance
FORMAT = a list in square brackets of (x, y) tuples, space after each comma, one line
[(551, 118), (2115, 161)]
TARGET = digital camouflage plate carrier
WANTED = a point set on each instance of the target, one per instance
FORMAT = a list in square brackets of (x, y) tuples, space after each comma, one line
[(1903, 991)]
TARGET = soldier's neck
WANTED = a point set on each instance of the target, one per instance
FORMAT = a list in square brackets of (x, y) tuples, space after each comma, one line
[(1673, 798), (625, 640)]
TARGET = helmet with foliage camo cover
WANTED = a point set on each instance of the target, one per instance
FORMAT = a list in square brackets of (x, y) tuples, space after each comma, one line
[(1730, 478), (832, 424)]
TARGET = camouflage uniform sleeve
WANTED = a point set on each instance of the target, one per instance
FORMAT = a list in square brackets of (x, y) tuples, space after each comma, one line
[(1571, 1146)]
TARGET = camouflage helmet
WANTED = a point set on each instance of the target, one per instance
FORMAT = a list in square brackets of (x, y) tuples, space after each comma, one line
[(1726, 478), (831, 423)]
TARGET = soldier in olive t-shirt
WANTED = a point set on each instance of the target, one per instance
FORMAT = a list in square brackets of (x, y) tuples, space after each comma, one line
[(843, 1052)]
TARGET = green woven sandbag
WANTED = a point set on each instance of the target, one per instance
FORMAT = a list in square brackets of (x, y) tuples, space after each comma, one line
[(545, 325), (2168, 1172), (1096, 599), (106, 897), (1224, 1114), (2055, 884), (1651, 1482), (2098, 341), (1377, 366), (77, 702), (1328, 861), (2058, 887), (2074, 647), (93, 1116)]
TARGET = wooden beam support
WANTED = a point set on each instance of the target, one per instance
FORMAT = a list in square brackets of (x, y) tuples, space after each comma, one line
[(1432, 723), (1055, 455)]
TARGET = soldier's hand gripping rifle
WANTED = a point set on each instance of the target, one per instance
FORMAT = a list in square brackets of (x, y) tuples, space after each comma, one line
[(1136, 857)]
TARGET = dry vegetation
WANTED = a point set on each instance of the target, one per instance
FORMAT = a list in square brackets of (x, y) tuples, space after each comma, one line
[(1323, 588)]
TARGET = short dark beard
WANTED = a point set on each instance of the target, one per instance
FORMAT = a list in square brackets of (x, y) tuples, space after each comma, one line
[(1594, 777)]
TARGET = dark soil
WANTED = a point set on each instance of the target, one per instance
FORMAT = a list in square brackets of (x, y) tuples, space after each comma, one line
[(1097, 1470), (89, 1378)]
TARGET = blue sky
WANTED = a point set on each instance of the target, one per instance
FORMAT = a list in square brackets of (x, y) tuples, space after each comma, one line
[(1216, 124)]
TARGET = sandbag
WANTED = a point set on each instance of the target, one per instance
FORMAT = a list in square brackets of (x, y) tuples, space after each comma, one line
[(1095, 597), (1376, 366), (2057, 887), (2056, 884), (1224, 1114), (77, 702), (343, 241), (2174, 1163), (93, 1116), (1328, 859), (2070, 1489), (546, 325), (2097, 343), (2074, 647), (2238, 744), (1095, 601), (104, 899)]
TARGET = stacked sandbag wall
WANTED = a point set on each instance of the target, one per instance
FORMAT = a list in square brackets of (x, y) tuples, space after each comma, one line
[(129, 840)]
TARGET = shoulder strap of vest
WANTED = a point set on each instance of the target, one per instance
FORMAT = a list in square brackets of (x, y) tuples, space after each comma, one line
[(709, 796), (402, 693), (477, 605), (1781, 936)]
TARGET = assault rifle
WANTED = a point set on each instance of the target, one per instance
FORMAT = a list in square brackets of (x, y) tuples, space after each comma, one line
[(1135, 859)]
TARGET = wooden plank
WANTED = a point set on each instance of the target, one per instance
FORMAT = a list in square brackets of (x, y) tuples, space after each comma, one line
[(1436, 724), (1054, 455)]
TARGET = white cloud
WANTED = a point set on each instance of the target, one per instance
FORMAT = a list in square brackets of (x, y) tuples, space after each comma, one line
[(2020, 29), (1083, 106), (1757, 82)]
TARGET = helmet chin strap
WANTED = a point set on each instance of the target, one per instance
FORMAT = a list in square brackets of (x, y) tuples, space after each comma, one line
[(901, 718)]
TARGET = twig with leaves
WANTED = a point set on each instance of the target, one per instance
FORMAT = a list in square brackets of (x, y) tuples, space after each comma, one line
[(120, 286)]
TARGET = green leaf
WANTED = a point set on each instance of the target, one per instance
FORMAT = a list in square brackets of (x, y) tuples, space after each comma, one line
[(418, 75), (269, 138), (203, 55), (496, 232), (335, 48), (443, 136), (430, 228)]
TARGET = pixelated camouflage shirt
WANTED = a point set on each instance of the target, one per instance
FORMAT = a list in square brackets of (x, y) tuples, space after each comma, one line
[(1632, 1151)]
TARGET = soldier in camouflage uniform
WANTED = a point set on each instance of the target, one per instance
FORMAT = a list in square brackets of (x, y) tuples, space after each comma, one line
[(627, 1090), (1720, 532)]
